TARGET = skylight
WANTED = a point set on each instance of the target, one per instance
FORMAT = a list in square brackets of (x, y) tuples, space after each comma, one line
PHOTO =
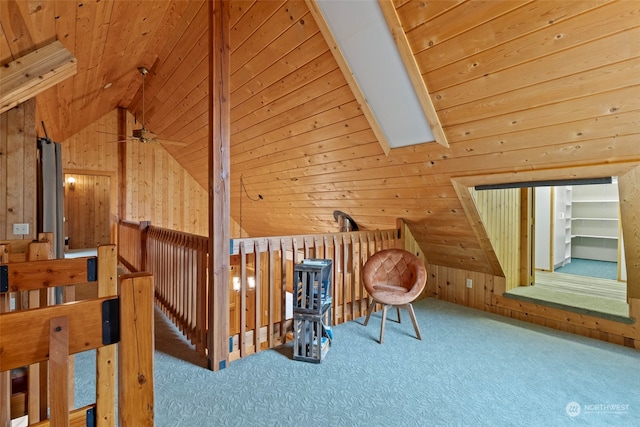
[(367, 45)]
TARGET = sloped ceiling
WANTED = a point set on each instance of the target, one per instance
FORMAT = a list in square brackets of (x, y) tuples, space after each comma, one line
[(519, 86)]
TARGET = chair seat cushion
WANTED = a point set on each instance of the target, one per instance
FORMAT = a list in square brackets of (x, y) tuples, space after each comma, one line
[(392, 294), (384, 287)]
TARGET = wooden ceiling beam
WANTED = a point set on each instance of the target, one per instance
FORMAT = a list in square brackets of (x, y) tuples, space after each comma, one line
[(34, 73), (419, 85)]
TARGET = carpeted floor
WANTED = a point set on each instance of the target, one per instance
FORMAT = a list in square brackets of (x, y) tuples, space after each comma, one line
[(590, 268), (471, 369)]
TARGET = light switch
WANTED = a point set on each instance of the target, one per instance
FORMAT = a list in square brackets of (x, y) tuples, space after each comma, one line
[(20, 229)]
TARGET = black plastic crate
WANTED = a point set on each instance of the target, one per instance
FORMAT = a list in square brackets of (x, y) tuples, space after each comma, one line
[(312, 287), (312, 336)]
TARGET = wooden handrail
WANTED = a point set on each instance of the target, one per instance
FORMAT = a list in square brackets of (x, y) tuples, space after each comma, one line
[(311, 240)]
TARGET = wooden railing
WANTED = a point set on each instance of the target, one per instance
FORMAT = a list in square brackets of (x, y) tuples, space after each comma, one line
[(260, 280), (45, 338), (178, 262), (14, 399), (132, 245), (264, 276)]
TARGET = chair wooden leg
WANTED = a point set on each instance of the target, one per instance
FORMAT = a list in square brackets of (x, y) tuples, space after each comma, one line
[(371, 306), (413, 319), (398, 310), (384, 318)]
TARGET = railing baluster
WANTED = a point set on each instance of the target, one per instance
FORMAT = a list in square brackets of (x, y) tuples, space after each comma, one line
[(361, 255), (294, 244), (344, 278), (202, 297), (271, 295), (258, 297), (352, 275), (243, 299), (336, 284)]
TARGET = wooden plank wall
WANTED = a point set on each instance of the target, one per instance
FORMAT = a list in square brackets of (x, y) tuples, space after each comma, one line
[(86, 210), (450, 284), (158, 188), (500, 212), (575, 323), (91, 153), (18, 147), (92, 149)]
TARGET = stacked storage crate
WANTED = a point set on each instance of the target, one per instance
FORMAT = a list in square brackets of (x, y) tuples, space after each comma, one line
[(312, 300)]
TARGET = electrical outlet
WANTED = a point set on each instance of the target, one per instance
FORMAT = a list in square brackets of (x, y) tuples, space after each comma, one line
[(20, 229), (469, 283)]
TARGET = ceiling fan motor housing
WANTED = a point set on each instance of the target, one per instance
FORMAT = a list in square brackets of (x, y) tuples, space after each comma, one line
[(143, 135), (139, 133)]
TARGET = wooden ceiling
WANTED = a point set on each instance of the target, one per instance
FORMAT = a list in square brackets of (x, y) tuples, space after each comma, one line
[(519, 86)]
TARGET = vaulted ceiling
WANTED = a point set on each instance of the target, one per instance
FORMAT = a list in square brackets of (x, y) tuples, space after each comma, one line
[(519, 86)]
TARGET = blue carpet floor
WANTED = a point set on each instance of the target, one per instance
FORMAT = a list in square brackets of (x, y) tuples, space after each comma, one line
[(471, 369), (591, 268)]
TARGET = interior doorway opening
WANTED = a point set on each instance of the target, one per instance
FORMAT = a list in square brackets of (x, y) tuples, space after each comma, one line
[(578, 240), (520, 241), (87, 206), (560, 238), (576, 227)]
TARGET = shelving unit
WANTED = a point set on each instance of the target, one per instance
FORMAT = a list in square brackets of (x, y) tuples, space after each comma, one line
[(312, 302), (595, 227), (585, 223)]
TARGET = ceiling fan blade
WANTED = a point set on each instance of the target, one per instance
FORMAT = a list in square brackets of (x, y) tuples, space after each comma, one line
[(143, 135)]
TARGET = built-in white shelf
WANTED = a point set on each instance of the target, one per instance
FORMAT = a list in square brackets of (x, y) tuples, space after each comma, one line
[(595, 236), (595, 219), (595, 224)]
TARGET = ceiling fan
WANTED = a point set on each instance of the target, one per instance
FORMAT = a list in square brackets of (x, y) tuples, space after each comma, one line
[(143, 135)]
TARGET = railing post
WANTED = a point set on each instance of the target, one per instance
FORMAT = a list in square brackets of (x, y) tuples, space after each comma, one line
[(144, 230), (5, 377), (106, 355), (135, 351)]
